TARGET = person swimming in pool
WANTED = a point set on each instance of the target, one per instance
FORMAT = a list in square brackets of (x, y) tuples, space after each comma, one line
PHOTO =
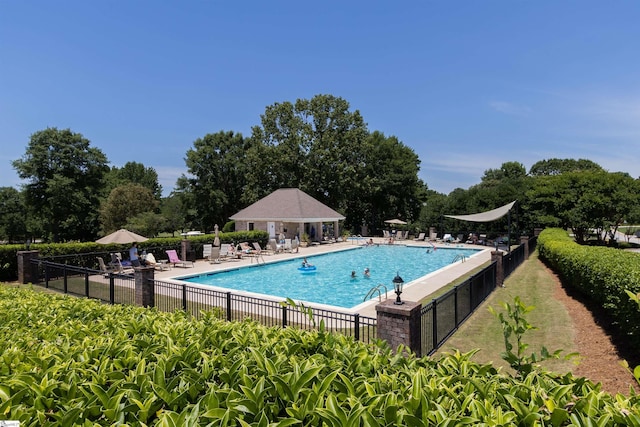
[(305, 263), (353, 274), (367, 273)]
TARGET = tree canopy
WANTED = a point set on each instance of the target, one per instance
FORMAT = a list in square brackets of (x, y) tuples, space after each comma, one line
[(65, 177)]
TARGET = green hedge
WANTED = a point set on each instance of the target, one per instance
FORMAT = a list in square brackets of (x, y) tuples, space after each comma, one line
[(68, 361), (601, 273), (84, 254)]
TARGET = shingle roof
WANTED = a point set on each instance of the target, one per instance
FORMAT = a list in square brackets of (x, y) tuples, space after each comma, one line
[(288, 204)]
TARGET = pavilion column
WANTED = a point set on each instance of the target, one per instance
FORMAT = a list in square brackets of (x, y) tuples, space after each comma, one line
[(336, 230)]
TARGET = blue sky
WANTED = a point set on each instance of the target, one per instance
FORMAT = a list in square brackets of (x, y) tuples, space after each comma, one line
[(467, 84)]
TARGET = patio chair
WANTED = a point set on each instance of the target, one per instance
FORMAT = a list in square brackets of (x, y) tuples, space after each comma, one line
[(227, 253), (106, 271), (245, 249), (175, 260), (207, 253), (420, 237), (258, 249), (275, 247)]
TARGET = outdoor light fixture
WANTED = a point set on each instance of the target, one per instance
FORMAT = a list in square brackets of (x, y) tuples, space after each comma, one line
[(397, 285)]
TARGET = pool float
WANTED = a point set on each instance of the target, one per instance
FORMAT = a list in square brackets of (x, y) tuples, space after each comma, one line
[(308, 269)]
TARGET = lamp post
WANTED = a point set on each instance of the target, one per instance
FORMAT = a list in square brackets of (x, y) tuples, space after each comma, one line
[(397, 286)]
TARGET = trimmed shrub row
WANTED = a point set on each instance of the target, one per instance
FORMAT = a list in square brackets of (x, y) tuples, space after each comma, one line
[(84, 254), (603, 274), (67, 361)]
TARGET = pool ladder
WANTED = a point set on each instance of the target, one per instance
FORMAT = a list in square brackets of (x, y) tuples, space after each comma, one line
[(373, 291), (459, 257)]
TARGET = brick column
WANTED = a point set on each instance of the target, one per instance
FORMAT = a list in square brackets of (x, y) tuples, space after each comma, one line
[(399, 324), (524, 240), (185, 247), (145, 295), (497, 257), (27, 273)]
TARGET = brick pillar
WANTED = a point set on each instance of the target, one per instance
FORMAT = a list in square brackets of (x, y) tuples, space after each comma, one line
[(497, 257), (145, 296), (524, 240), (185, 247), (399, 324), (27, 273)]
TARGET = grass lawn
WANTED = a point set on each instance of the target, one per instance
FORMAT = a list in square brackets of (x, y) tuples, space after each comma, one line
[(535, 287)]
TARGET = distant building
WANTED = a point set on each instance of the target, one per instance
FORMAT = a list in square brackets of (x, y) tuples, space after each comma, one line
[(291, 212)]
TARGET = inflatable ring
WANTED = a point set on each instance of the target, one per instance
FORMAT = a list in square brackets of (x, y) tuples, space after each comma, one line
[(309, 269)]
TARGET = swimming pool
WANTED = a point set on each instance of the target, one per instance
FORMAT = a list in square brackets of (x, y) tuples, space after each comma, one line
[(331, 283)]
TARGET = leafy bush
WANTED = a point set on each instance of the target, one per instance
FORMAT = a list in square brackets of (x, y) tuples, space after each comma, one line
[(84, 254), (67, 361), (603, 274)]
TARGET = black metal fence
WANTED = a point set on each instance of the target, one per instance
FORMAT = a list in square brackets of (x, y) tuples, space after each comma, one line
[(442, 316), (193, 299), (86, 282)]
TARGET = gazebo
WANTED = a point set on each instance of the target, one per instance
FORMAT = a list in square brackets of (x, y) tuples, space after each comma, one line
[(291, 212)]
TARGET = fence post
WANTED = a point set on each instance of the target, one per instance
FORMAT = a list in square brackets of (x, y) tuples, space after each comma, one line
[(228, 306), (27, 273), (112, 289), (145, 295), (399, 324), (524, 240), (356, 326), (496, 256), (184, 298)]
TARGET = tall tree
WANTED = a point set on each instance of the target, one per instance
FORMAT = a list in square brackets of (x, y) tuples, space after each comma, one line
[(125, 202), (559, 166), (65, 178), (583, 201), (13, 224), (135, 173), (218, 165)]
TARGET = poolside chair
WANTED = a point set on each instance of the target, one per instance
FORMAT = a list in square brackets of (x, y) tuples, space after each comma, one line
[(227, 253), (287, 245), (214, 256), (258, 249), (206, 251), (245, 249), (119, 268), (275, 247), (175, 260), (106, 271), (420, 237)]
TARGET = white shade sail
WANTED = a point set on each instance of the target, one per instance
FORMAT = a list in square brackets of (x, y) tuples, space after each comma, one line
[(487, 216)]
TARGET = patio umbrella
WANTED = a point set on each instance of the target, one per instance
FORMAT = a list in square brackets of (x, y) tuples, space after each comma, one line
[(396, 221), (121, 236), (216, 241)]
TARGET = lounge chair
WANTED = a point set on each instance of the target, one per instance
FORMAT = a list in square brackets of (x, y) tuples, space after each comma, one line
[(245, 249), (211, 253), (258, 249), (106, 271), (175, 260), (227, 253), (119, 268), (420, 237), (287, 245), (275, 247)]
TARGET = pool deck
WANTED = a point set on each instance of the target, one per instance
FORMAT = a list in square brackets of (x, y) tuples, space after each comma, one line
[(413, 291)]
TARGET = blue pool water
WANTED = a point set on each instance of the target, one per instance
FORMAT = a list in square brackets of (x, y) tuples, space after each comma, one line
[(331, 283)]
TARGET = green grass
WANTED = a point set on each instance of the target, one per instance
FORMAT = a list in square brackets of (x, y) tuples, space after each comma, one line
[(535, 287)]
